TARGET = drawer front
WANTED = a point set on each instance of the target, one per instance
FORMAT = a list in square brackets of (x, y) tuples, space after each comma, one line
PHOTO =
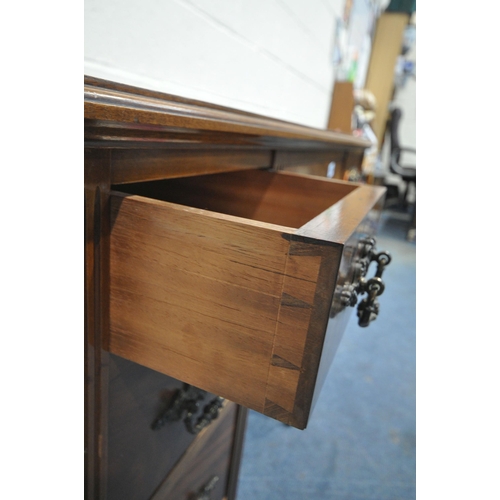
[(139, 455), (204, 468), (226, 281), (348, 277)]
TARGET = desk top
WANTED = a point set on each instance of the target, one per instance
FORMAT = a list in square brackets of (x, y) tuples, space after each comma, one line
[(117, 112)]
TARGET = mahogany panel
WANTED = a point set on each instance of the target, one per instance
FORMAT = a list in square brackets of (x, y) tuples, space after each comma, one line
[(207, 459), (235, 306), (134, 165), (139, 456), (289, 200), (187, 290), (347, 274), (96, 319), (133, 135), (154, 115)]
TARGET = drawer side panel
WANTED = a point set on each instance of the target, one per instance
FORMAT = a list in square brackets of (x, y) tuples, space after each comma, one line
[(195, 297)]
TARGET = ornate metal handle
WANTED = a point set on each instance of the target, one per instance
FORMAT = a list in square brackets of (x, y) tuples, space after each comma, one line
[(186, 404), (204, 491), (368, 308)]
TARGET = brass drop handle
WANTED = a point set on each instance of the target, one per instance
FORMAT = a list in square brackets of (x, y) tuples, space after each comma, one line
[(185, 405)]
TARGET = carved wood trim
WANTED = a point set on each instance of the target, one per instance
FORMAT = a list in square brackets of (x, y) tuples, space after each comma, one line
[(123, 113)]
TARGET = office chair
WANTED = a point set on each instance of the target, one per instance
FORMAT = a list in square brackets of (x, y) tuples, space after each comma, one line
[(408, 173)]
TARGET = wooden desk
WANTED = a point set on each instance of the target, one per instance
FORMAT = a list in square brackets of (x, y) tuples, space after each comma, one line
[(197, 217)]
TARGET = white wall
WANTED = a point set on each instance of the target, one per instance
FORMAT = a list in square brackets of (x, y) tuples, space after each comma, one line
[(271, 57)]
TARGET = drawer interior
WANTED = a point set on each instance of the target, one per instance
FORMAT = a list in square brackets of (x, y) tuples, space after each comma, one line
[(289, 200)]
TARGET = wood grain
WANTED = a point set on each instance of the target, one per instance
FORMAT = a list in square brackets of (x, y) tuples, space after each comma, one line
[(235, 306), (96, 294), (134, 165), (338, 223), (300, 329), (283, 199), (188, 288), (154, 114)]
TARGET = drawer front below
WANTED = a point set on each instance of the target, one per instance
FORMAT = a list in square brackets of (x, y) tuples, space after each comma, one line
[(204, 468), (140, 456)]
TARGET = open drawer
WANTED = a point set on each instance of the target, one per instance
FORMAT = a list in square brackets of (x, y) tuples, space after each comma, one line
[(229, 281)]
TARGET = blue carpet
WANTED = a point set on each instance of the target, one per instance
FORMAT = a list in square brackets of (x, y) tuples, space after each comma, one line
[(360, 440)]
